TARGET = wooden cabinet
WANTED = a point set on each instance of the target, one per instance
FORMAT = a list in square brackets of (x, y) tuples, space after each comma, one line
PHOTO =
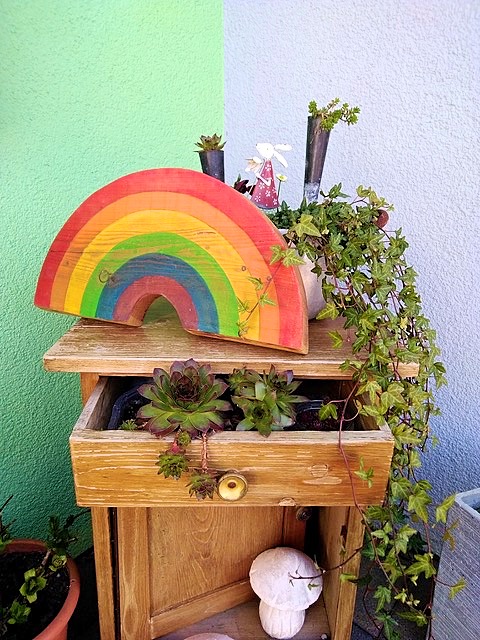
[(164, 560)]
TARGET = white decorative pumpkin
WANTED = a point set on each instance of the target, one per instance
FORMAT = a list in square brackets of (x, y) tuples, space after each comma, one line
[(280, 624)]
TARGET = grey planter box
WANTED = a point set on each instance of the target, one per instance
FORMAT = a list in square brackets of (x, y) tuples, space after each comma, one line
[(460, 617)]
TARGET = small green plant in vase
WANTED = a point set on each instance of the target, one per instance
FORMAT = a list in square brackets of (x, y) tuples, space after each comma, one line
[(212, 156), (321, 121)]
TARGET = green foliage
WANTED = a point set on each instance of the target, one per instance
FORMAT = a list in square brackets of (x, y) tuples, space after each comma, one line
[(187, 397), (203, 484), (266, 399), (371, 287), (332, 113), (128, 425), (185, 401), (58, 539), (172, 464), (210, 143)]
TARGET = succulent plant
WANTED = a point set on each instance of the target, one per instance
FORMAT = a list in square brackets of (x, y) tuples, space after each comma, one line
[(187, 398), (267, 400), (172, 464), (128, 425), (210, 143), (203, 484)]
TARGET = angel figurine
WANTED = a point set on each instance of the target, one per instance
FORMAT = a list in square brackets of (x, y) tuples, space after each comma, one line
[(264, 193)]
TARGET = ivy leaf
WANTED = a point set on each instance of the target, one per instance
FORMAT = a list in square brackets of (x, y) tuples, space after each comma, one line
[(348, 577), (401, 488), (441, 511), (305, 226), (383, 596), (389, 624), (243, 306), (329, 311), (418, 502), (328, 410), (277, 253), (365, 474), (337, 339), (290, 257), (264, 299), (372, 388), (423, 564), (257, 283), (418, 617), (456, 588)]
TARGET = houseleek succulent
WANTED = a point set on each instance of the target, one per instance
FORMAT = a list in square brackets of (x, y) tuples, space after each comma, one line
[(267, 400), (187, 398)]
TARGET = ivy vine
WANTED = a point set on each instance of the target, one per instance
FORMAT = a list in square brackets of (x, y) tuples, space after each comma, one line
[(367, 281)]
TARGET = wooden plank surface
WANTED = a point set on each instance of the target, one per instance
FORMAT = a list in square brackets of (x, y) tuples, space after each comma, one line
[(341, 535), (243, 623), (196, 551), (104, 571), (107, 349), (133, 574)]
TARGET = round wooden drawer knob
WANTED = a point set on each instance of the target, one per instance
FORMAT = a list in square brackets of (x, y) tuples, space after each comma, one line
[(232, 486)]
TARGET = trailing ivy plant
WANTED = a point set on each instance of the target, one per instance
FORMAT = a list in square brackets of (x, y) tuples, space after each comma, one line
[(368, 283)]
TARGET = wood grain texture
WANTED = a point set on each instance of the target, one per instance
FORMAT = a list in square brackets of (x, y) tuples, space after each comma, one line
[(134, 582), (88, 382), (117, 468), (148, 232), (102, 537), (243, 623), (108, 349), (196, 551), (340, 535)]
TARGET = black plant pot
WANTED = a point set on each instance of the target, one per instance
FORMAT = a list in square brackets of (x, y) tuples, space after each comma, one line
[(213, 164), (307, 417), (317, 143), (126, 405)]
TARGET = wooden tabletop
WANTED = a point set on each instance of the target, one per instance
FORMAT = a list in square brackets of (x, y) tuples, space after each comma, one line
[(109, 349)]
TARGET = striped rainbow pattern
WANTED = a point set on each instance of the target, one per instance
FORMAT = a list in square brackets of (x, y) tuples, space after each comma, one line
[(183, 235)]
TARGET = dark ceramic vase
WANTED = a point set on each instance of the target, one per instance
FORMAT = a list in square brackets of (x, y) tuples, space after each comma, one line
[(317, 143), (213, 164)]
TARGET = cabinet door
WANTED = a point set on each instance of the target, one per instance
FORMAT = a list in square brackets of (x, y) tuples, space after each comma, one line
[(178, 565)]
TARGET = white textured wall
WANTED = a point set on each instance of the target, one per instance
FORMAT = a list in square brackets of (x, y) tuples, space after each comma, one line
[(414, 68)]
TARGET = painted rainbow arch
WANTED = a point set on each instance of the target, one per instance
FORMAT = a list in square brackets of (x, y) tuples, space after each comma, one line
[(187, 237)]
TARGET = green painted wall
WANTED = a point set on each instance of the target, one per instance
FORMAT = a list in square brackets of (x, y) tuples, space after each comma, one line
[(89, 91)]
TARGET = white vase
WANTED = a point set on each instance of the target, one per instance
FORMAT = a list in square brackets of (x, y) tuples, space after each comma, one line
[(312, 285)]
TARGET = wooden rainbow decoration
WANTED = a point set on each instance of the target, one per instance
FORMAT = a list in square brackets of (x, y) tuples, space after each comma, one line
[(183, 235)]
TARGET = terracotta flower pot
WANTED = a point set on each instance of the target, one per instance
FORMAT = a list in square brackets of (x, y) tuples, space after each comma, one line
[(57, 629)]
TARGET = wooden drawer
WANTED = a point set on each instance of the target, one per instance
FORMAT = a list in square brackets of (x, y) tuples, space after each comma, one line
[(117, 468)]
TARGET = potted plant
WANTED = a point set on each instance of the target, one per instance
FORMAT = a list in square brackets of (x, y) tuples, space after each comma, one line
[(212, 156), (459, 562), (39, 583), (320, 123), (371, 287)]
